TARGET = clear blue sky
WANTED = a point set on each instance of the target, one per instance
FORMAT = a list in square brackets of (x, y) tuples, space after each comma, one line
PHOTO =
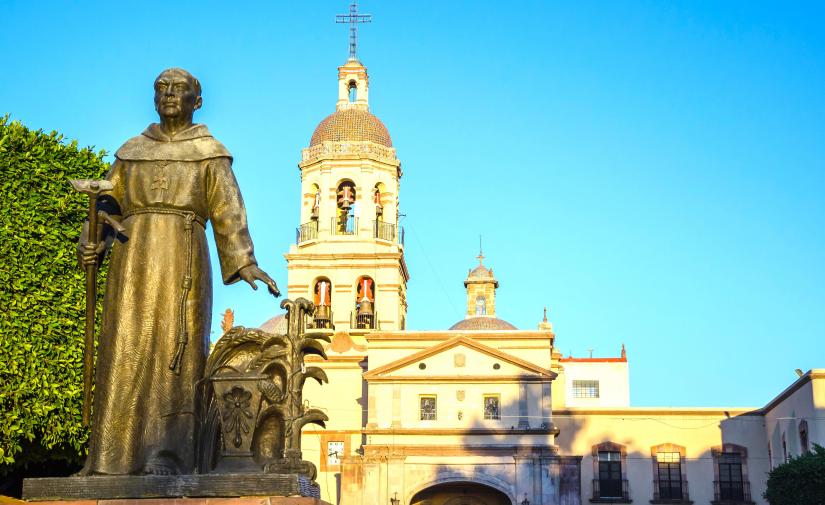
[(653, 172)]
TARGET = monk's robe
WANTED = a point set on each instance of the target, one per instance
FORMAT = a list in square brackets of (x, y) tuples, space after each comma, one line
[(157, 306)]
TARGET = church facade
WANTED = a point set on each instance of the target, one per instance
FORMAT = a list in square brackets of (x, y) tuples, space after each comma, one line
[(484, 413)]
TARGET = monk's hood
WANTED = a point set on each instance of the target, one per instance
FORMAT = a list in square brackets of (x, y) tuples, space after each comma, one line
[(192, 144)]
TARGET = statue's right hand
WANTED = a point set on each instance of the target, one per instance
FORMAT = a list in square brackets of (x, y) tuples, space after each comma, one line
[(86, 254)]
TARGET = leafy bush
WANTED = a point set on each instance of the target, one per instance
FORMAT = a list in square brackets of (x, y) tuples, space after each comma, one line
[(42, 298), (800, 481)]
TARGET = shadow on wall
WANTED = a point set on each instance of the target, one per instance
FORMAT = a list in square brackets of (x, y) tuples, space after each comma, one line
[(622, 459), (492, 461)]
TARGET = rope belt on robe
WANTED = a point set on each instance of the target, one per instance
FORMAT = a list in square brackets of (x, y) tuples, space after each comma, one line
[(186, 284)]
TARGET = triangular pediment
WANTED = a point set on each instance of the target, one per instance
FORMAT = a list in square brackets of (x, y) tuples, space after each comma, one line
[(460, 357)]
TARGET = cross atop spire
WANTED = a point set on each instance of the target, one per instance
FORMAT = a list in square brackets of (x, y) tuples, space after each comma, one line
[(480, 256), (353, 18)]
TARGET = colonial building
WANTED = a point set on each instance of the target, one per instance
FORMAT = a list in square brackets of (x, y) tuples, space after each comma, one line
[(485, 413)]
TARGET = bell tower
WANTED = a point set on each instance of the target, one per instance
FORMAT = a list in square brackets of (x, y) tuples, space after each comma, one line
[(481, 291), (348, 255)]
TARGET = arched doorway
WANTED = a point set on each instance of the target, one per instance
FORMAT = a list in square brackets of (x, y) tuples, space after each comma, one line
[(460, 493)]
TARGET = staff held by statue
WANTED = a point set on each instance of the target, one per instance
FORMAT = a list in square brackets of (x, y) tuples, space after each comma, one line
[(89, 253)]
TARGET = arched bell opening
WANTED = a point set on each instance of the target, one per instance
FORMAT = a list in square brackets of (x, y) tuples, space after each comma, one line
[(314, 201), (322, 297), (481, 305), (352, 89), (346, 222), (365, 303), (377, 200), (460, 493)]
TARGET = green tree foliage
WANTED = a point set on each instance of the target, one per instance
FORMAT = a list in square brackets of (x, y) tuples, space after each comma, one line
[(42, 295), (800, 481)]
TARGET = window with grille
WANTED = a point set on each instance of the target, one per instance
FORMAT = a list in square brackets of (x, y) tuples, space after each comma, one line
[(428, 408), (730, 477), (670, 475), (610, 474), (585, 389), (492, 405)]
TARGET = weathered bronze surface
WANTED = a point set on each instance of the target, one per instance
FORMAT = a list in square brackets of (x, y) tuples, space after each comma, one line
[(167, 183), (251, 402)]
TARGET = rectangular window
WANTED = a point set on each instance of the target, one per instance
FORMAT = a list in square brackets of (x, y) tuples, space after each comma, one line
[(585, 389), (492, 407), (670, 475), (610, 474), (730, 477), (334, 452), (428, 408)]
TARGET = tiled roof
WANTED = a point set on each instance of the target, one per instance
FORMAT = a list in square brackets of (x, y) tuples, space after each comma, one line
[(351, 124), (483, 323)]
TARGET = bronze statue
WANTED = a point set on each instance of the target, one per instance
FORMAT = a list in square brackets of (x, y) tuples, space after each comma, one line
[(168, 183)]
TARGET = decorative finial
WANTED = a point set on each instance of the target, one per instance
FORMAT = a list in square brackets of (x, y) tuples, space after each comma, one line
[(228, 320), (353, 18), (545, 315), (624, 353), (480, 256)]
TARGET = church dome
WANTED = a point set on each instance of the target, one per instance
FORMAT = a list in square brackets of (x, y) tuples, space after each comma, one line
[(483, 323), (480, 272), (277, 325), (351, 124)]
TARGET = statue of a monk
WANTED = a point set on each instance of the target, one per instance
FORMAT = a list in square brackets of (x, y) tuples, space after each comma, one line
[(168, 182)]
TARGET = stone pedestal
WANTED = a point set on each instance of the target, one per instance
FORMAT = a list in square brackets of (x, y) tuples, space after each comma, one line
[(168, 488), (256, 500)]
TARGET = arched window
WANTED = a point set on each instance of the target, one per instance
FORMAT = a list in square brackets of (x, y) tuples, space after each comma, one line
[(481, 305), (669, 481), (610, 472), (346, 222), (730, 469), (803, 436), (314, 199), (376, 200), (322, 296), (365, 303), (353, 91)]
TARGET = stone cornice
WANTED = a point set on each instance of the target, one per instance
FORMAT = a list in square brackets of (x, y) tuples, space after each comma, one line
[(436, 335), (543, 374), (347, 151), (552, 430), (656, 411)]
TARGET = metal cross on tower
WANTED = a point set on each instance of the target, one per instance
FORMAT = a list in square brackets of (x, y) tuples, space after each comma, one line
[(353, 18)]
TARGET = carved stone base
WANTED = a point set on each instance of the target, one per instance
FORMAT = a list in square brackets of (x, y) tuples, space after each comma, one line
[(257, 500), (112, 487)]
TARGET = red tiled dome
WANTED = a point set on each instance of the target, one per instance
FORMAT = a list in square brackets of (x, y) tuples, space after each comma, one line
[(351, 124)]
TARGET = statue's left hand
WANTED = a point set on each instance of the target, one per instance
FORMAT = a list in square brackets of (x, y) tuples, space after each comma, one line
[(252, 273)]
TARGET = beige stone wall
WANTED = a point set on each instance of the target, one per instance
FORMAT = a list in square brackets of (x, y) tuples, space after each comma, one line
[(343, 259), (640, 429), (804, 400), (613, 378)]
